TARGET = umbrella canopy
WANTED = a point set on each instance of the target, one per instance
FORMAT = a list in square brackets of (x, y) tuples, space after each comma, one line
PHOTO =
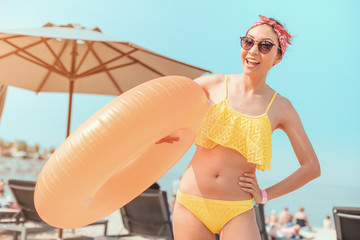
[(74, 59)]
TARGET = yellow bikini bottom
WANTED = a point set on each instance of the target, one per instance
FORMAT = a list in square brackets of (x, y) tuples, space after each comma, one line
[(214, 214)]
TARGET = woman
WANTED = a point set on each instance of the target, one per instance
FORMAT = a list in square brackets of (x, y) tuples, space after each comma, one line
[(218, 187), (302, 219)]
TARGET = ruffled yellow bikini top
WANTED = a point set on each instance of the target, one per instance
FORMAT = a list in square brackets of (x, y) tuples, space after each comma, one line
[(249, 135)]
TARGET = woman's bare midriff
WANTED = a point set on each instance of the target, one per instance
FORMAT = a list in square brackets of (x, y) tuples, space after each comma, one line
[(214, 174)]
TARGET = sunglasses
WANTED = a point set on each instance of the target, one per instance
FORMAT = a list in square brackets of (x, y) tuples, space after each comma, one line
[(263, 46)]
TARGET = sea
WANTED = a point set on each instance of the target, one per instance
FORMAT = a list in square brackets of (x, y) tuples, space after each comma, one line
[(317, 199)]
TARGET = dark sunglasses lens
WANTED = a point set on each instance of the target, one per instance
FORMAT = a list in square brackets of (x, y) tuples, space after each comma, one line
[(247, 43), (265, 47)]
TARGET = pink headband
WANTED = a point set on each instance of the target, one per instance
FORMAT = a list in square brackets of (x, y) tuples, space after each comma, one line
[(279, 30)]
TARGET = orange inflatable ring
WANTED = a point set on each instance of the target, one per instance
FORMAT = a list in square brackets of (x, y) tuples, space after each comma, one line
[(112, 157)]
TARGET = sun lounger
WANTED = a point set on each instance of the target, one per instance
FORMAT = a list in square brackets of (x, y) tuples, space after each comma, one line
[(148, 215), (260, 220), (23, 192), (347, 222)]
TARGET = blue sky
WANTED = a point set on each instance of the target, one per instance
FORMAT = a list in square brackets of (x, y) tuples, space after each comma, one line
[(319, 73)]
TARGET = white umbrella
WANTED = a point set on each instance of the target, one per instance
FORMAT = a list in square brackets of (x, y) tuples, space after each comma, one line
[(74, 59)]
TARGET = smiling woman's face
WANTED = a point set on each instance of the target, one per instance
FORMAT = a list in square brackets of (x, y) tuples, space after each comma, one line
[(254, 62)]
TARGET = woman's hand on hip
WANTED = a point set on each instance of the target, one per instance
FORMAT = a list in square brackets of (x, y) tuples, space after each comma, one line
[(248, 183)]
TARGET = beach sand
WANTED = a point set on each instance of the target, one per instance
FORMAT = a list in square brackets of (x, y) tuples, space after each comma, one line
[(115, 227), (320, 234), (324, 234)]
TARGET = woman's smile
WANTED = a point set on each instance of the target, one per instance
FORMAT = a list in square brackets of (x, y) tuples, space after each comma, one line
[(251, 62)]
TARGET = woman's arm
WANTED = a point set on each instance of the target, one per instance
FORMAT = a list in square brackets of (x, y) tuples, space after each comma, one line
[(205, 82), (309, 168), (208, 82), (309, 165)]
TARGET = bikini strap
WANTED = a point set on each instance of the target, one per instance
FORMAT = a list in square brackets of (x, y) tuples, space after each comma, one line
[(267, 109), (226, 87)]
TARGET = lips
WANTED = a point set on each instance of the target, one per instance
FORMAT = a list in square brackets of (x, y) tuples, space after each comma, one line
[(252, 62)]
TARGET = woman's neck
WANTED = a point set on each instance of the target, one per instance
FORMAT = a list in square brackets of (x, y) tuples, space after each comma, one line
[(252, 84)]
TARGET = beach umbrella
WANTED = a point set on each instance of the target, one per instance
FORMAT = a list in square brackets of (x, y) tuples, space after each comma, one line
[(74, 59), (3, 90)]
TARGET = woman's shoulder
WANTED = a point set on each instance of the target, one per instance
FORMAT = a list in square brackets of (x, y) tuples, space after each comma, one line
[(283, 102), (209, 80), (287, 116), (284, 111)]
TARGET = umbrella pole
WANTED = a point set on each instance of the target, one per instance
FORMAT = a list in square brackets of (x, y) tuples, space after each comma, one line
[(60, 233), (71, 87), (71, 90)]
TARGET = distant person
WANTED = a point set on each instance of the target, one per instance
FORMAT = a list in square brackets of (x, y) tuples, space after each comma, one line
[(302, 219), (282, 230), (285, 218), (327, 222), (272, 219), (2, 188)]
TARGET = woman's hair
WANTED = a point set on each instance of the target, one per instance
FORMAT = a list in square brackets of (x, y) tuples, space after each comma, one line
[(287, 38)]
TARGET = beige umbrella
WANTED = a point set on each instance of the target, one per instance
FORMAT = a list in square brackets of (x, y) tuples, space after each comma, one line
[(3, 90), (74, 59)]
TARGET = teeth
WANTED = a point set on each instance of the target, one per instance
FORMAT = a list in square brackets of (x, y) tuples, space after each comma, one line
[(252, 61)]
